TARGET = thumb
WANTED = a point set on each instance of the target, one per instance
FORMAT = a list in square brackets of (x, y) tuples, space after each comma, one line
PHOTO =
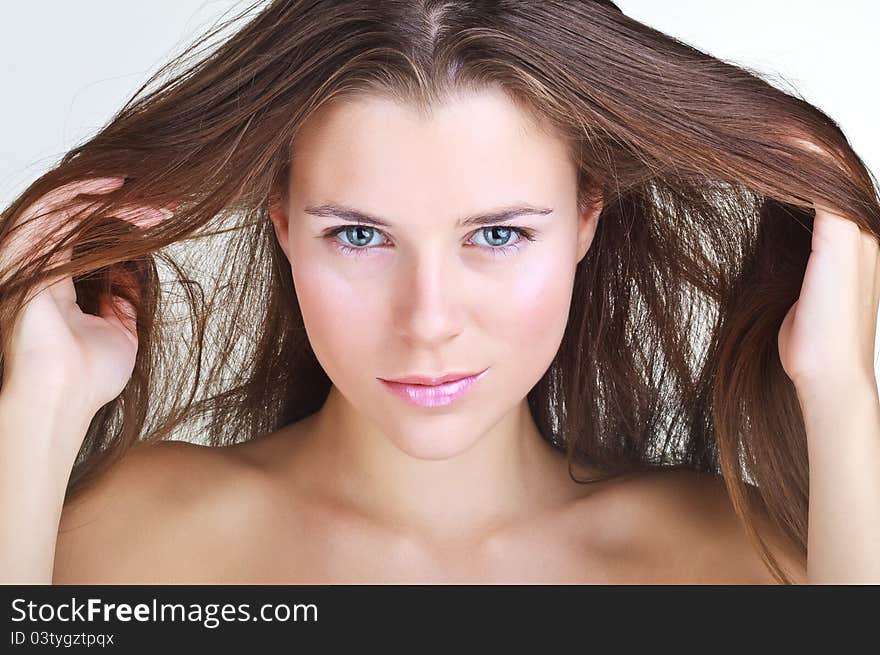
[(120, 312)]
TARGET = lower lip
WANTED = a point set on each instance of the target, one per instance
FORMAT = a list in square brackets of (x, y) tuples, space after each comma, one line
[(433, 396)]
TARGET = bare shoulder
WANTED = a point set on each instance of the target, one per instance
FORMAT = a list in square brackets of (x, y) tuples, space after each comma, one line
[(139, 520), (690, 520)]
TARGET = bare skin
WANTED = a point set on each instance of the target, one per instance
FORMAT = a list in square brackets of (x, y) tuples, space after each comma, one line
[(180, 513), (370, 489)]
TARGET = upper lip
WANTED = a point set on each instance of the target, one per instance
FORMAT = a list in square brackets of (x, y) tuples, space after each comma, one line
[(432, 379)]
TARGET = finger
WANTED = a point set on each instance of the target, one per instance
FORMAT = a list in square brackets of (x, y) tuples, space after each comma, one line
[(139, 215), (871, 278), (121, 313), (117, 309), (62, 223), (29, 225), (29, 238), (877, 274), (22, 247), (61, 286), (63, 194), (835, 234), (869, 256), (143, 216)]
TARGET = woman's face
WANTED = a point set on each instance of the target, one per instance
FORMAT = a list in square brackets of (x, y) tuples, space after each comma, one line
[(425, 295)]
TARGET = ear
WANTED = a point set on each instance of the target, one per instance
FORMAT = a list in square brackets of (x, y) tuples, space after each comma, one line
[(588, 221), (280, 217)]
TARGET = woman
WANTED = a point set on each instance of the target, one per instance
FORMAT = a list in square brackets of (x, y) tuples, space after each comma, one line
[(606, 231)]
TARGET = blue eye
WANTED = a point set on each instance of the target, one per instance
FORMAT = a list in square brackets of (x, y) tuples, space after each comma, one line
[(364, 233)]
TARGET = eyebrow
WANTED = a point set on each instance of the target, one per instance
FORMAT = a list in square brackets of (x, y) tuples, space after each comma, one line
[(487, 218)]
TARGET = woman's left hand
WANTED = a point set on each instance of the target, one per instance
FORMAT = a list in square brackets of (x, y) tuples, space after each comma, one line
[(827, 337)]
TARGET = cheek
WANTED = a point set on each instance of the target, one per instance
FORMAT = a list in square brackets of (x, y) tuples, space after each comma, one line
[(529, 319), (331, 306)]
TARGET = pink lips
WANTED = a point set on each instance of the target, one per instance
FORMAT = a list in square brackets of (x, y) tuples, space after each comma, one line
[(433, 395)]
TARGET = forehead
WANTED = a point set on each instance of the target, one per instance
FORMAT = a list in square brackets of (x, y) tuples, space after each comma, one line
[(477, 149)]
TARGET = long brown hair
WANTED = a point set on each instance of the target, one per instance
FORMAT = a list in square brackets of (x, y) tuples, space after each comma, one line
[(669, 358)]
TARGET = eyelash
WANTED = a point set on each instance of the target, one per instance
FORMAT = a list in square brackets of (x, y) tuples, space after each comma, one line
[(525, 235)]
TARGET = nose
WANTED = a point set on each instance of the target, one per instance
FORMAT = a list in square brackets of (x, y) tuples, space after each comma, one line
[(428, 307)]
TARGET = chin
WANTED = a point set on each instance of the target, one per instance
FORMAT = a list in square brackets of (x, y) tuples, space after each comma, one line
[(433, 444)]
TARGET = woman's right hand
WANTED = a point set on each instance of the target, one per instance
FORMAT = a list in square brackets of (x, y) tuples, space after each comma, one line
[(58, 353)]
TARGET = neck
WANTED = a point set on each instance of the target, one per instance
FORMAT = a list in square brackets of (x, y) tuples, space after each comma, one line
[(509, 472)]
